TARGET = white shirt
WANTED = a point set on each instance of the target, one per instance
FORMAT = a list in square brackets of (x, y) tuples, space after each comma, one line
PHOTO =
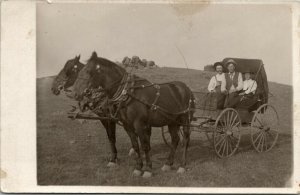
[(240, 82), (213, 83), (249, 86)]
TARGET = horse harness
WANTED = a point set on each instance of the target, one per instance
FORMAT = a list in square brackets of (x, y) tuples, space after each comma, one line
[(124, 94)]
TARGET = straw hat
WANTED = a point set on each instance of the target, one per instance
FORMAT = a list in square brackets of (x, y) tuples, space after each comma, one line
[(230, 61)]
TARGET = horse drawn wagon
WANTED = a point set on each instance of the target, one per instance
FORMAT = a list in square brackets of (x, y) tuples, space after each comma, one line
[(223, 127)]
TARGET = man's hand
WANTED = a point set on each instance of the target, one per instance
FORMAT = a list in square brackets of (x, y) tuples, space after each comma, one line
[(243, 93)]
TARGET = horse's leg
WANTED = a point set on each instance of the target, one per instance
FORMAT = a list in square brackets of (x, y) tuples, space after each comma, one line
[(144, 133), (110, 127), (145, 143), (186, 142), (131, 151), (135, 144), (173, 130)]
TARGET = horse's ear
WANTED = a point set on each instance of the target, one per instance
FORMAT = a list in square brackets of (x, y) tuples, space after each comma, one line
[(94, 55)]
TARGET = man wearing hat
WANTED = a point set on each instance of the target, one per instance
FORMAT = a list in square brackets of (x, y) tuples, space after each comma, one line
[(234, 84), (217, 85)]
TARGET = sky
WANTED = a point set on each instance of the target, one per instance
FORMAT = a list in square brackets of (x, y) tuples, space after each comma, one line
[(204, 34)]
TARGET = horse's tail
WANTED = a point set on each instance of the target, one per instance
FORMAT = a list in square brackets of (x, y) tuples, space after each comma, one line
[(191, 105)]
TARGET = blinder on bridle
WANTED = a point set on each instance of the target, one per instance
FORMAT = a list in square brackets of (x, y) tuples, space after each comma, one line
[(75, 68), (98, 68)]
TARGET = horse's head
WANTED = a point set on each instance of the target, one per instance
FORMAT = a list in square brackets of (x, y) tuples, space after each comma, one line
[(98, 72), (67, 76)]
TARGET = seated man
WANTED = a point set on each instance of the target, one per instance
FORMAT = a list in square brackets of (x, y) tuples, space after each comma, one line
[(247, 95), (217, 85), (234, 84)]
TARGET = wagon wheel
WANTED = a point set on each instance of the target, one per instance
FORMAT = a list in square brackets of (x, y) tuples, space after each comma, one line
[(264, 128), (167, 137), (227, 134)]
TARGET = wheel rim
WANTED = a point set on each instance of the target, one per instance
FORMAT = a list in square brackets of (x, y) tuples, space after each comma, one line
[(264, 128), (227, 133)]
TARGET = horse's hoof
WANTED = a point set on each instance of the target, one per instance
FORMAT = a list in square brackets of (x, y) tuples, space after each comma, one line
[(166, 168), (112, 164), (131, 152), (181, 170), (137, 172), (147, 174)]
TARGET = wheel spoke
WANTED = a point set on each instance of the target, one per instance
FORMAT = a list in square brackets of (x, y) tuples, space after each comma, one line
[(230, 144), (257, 137), (228, 116), (221, 146), (266, 141), (227, 146), (233, 121), (221, 123), (236, 124), (259, 142), (224, 147), (224, 120), (258, 131), (260, 122), (262, 142), (220, 140), (235, 129), (231, 117)]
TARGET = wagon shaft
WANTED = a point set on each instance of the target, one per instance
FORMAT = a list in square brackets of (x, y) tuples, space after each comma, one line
[(77, 115)]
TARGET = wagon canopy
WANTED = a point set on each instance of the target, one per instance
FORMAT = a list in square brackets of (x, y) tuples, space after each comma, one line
[(257, 67)]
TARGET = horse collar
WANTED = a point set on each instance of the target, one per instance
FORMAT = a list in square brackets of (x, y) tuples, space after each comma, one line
[(122, 89)]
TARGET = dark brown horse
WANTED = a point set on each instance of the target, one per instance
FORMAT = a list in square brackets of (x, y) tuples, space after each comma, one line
[(66, 79), (67, 76), (140, 105)]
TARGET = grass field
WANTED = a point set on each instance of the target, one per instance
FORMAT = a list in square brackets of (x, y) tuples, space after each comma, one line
[(71, 153)]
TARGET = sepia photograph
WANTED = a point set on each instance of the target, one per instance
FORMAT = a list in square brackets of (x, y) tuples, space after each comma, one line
[(163, 94)]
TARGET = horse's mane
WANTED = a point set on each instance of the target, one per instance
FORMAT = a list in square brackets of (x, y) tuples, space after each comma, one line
[(107, 63)]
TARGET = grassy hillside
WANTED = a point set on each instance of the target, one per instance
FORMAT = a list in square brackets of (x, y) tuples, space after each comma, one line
[(71, 153)]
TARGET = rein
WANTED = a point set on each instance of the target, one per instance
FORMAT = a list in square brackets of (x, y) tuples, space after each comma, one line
[(122, 94)]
